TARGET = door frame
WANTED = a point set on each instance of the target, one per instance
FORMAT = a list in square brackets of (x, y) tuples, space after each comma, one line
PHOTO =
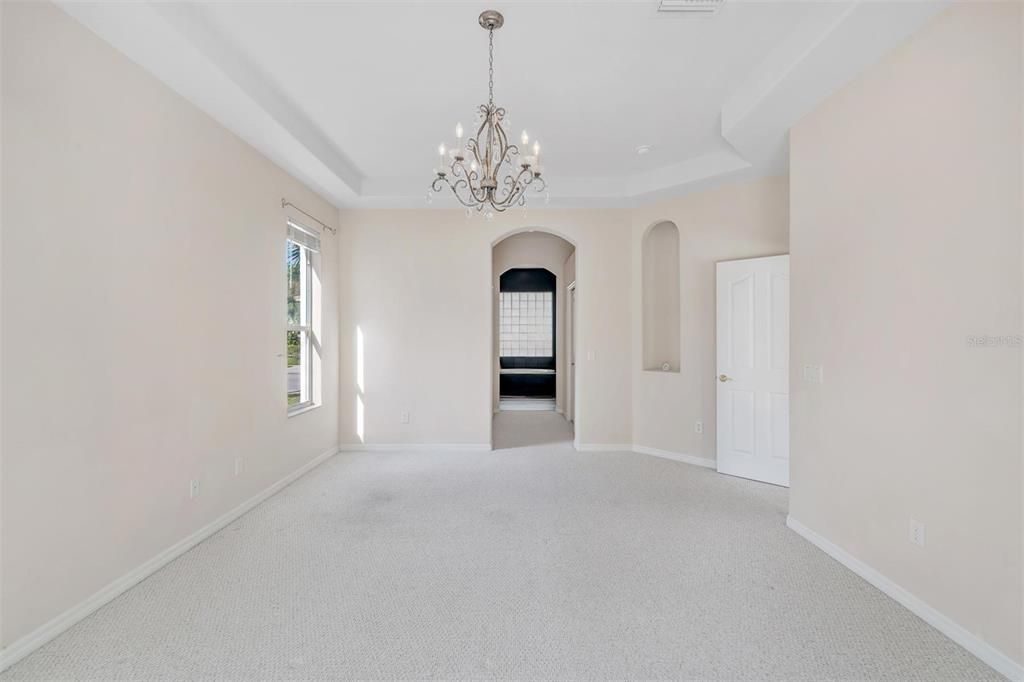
[(570, 364)]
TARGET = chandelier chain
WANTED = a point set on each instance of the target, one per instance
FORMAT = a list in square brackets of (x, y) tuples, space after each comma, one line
[(490, 71)]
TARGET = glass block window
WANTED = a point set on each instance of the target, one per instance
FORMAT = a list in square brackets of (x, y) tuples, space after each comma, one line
[(527, 324)]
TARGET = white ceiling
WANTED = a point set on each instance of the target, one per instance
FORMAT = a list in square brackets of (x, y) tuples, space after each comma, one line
[(387, 82), (354, 97)]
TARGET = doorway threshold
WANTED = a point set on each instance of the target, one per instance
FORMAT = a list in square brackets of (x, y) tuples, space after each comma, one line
[(508, 404)]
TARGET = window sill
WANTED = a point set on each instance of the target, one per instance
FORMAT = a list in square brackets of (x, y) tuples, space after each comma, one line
[(302, 410)]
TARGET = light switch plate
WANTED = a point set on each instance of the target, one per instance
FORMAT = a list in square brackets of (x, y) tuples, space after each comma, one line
[(813, 374)]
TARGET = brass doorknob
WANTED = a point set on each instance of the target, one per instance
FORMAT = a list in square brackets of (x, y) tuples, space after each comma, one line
[(723, 378)]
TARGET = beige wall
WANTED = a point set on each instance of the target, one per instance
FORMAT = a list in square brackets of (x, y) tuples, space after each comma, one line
[(417, 283), (534, 250), (906, 241), (414, 287), (143, 318), (736, 221)]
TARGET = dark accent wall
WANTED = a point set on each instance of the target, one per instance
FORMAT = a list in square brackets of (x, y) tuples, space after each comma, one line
[(527, 279)]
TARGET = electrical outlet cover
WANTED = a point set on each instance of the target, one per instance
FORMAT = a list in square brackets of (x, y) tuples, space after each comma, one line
[(917, 533)]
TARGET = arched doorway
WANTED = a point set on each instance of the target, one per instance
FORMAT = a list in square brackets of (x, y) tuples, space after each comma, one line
[(533, 339)]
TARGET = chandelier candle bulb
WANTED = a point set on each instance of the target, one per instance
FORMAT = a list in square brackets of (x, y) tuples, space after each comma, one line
[(458, 152), (525, 138)]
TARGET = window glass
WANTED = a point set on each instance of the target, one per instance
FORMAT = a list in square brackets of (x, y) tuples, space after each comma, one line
[(299, 334), (527, 324), (293, 263), (294, 368)]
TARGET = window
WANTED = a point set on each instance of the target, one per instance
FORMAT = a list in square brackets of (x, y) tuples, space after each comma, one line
[(527, 324), (300, 247)]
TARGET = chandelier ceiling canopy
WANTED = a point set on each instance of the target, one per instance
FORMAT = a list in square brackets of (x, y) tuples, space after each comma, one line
[(485, 172)]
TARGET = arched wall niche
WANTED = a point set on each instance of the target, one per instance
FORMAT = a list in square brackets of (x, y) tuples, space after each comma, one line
[(661, 314)]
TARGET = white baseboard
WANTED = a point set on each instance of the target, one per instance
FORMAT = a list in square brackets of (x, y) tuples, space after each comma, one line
[(644, 450), (23, 646), (677, 456), (999, 661), (414, 447), (477, 447)]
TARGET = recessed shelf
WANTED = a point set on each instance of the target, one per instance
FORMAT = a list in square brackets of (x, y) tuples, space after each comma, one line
[(661, 317)]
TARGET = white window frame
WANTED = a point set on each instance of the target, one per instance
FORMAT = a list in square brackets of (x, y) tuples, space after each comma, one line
[(305, 329)]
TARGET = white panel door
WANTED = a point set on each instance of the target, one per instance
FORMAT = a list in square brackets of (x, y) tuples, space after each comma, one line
[(753, 369)]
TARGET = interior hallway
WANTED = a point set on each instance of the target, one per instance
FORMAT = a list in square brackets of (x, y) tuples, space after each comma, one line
[(522, 429), (532, 562)]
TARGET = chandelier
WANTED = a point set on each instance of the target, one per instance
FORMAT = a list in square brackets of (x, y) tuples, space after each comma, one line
[(487, 173)]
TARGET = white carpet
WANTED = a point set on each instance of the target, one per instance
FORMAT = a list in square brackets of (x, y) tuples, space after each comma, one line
[(527, 563)]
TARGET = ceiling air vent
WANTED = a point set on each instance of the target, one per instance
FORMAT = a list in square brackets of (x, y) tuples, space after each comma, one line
[(695, 6)]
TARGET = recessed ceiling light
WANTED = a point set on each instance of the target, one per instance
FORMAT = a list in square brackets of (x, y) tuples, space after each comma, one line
[(643, 149)]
